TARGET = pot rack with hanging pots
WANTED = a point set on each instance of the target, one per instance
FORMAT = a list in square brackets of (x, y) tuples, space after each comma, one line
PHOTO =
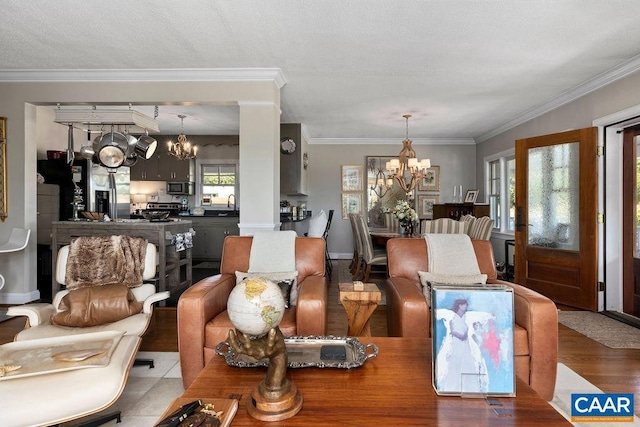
[(113, 148)]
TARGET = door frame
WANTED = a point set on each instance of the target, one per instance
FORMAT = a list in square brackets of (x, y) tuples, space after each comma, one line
[(539, 268), (610, 184)]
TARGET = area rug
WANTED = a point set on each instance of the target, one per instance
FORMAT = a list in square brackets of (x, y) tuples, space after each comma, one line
[(148, 392), (568, 382), (600, 328)]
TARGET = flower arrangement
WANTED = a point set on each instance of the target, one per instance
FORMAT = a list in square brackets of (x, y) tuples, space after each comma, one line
[(405, 213)]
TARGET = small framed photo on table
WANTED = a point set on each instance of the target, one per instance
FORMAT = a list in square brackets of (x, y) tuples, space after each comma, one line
[(473, 340), (471, 196)]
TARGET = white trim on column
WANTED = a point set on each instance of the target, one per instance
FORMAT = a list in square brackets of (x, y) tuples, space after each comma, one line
[(248, 229)]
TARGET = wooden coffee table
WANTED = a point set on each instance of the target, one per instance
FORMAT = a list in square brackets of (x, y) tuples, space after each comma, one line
[(393, 388)]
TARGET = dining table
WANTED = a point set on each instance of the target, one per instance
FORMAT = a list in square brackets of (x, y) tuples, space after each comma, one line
[(381, 235)]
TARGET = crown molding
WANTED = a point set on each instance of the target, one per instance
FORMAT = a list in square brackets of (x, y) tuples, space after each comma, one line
[(147, 75), (387, 141), (601, 80)]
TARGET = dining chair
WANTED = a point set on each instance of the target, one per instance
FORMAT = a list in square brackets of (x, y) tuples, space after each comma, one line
[(370, 255), (353, 266), (325, 236)]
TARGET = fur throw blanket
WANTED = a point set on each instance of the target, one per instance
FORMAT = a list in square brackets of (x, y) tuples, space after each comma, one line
[(105, 260)]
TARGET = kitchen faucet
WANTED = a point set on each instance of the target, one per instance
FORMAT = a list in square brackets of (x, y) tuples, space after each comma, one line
[(229, 201)]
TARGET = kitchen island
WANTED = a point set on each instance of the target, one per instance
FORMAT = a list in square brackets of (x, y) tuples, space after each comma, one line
[(174, 268)]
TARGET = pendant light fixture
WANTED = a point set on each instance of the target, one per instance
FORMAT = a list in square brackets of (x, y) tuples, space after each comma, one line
[(182, 149), (406, 170)]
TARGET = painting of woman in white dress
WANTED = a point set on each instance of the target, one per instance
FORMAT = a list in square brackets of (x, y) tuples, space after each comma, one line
[(473, 342)]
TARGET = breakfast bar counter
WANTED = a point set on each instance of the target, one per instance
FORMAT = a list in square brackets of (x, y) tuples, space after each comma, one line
[(174, 268)]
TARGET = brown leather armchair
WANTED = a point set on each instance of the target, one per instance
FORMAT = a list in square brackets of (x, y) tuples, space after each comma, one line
[(203, 321), (536, 316)]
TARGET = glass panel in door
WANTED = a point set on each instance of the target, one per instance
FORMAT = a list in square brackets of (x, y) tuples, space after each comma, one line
[(554, 196)]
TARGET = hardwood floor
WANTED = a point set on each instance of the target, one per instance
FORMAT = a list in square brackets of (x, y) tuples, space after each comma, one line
[(611, 370)]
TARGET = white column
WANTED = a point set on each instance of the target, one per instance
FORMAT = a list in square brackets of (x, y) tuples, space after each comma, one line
[(259, 167)]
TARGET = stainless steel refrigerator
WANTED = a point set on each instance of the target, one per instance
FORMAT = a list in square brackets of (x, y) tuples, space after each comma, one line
[(101, 187)]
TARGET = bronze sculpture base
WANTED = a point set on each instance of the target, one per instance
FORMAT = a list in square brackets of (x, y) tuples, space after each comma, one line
[(274, 405)]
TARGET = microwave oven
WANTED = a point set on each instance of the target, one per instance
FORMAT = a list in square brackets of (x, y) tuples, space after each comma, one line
[(180, 188)]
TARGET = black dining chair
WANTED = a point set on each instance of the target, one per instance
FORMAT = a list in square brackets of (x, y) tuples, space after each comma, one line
[(325, 236)]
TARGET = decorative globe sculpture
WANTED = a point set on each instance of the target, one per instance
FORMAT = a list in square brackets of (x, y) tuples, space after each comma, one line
[(255, 306)]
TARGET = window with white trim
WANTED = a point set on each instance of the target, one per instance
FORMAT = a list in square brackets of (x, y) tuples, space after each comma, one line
[(500, 173), (494, 192), (217, 183)]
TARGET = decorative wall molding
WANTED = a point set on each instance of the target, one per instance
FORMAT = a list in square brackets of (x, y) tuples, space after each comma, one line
[(147, 75), (601, 80), (386, 141)]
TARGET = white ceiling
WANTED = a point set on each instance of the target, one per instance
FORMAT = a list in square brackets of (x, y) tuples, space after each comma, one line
[(464, 68)]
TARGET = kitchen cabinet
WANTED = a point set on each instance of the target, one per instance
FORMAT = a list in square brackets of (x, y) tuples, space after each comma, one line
[(162, 166), (210, 234), (172, 169), (293, 171)]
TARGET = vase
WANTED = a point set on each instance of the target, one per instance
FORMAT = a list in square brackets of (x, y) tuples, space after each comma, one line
[(406, 230)]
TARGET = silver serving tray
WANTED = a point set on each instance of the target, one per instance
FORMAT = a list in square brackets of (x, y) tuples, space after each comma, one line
[(304, 352)]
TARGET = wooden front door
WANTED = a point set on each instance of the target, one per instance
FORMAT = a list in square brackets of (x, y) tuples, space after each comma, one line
[(630, 251), (556, 216)]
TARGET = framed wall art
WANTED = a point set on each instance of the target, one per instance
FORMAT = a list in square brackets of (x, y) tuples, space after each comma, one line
[(473, 340), (471, 196), (424, 207), (431, 181), (352, 178), (351, 203)]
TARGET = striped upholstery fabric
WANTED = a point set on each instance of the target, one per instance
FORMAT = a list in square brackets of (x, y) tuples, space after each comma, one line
[(481, 228), (468, 218), (445, 226)]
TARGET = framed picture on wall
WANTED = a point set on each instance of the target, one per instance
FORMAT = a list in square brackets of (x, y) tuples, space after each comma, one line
[(352, 178), (425, 205), (431, 181), (351, 203), (473, 340)]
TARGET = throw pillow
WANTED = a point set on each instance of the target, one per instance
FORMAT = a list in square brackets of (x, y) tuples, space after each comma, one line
[(317, 224), (95, 306), (287, 281)]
